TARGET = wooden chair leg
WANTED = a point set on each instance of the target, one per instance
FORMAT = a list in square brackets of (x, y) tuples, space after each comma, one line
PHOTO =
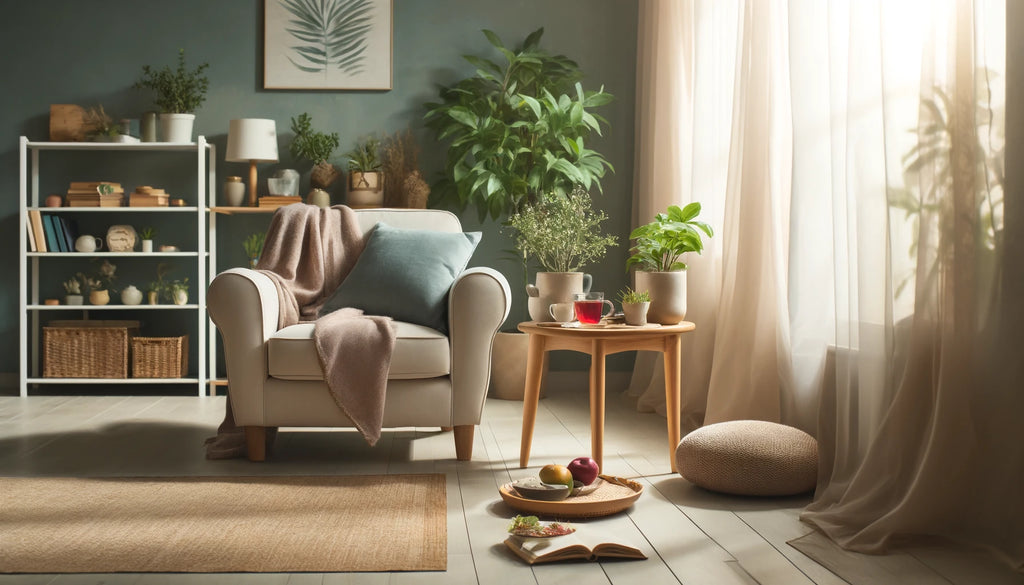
[(256, 443), (464, 442)]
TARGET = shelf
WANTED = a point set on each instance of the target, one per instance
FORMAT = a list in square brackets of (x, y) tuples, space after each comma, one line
[(152, 209), (109, 307), (113, 380), (111, 254), (233, 210), (137, 146)]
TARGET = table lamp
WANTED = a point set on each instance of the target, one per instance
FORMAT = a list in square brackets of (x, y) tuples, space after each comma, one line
[(252, 140)]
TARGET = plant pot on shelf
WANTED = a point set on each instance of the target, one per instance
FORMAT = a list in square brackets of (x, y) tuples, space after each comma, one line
[(668, 295), (176, 127), (323, 175), (554, 287), (508, 366), (147, 246), (318, 197), (99, 297), (179, 296), (74, 299), (153, 297)]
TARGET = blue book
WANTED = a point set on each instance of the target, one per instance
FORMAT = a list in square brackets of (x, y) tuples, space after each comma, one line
[(51, 234), (68, 237)]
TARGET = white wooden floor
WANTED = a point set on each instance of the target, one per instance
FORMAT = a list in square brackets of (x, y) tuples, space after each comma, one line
[(690, 535)]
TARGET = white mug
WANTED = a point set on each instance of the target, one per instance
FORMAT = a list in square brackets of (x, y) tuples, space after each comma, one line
[(562, 312), (88, 243)]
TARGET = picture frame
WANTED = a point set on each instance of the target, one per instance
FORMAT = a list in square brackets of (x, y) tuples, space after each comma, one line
[(352, 52)]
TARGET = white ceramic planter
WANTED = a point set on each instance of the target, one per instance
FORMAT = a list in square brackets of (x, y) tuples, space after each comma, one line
[(176, 127), (668, 295), (131, 295), (635, 313), (147, 246), (551, 288), (180, 296)]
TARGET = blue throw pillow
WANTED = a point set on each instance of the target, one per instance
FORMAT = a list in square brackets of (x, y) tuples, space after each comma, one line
[(405, 274)]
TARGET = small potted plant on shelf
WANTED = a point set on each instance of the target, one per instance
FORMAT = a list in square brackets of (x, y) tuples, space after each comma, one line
[(147, 234), (657, 251), (316, 147), (253, 246), (179, 93), (563, 234), (365, 187), (178, 289), (158, 287), (101, 127), (635, 305), (73, 291)]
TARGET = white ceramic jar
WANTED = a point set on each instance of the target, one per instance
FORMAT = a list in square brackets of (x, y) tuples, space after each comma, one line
[(131, 295)]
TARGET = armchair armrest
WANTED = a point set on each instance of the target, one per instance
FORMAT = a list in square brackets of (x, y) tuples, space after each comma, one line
[(478, 304), (243, 305)]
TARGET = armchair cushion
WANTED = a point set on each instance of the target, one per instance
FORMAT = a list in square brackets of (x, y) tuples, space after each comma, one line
[(405, 274), (420, 352)]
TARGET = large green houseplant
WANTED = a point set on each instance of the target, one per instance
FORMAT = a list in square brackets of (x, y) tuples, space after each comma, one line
[(657, 253), (179, 93), (517, 130)]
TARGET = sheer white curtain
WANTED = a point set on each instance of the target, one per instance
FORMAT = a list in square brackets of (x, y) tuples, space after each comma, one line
[(849, 154)]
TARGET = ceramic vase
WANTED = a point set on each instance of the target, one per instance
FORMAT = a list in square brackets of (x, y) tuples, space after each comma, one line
[(153, 297), (319, 197), (99, 297), (131, 295), (234, 192)]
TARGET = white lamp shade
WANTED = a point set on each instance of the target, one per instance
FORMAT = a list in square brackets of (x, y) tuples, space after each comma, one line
[(252, 140)]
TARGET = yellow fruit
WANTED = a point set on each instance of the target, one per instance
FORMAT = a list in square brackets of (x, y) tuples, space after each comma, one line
[(556, 474)]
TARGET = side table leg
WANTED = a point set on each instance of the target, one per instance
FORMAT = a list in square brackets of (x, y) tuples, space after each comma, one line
[(531, 394), (672, 372), (597, 356)]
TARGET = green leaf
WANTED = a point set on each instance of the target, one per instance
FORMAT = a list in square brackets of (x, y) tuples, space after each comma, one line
[(494, 39), (463, 116)]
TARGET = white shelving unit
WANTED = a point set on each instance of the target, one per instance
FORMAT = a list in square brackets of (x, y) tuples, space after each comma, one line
[(30, 305)]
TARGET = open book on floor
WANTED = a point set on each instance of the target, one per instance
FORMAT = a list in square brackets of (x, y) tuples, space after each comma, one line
[(590, 546)]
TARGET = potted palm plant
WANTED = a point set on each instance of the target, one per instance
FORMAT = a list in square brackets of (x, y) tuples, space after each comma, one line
[(316, 147), (179, 93), (365, 187), (657, 251)]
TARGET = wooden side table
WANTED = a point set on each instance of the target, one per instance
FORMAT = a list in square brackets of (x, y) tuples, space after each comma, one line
[(600, 341)]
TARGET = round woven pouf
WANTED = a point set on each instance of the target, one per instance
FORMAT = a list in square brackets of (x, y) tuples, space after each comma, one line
[(749, 458)]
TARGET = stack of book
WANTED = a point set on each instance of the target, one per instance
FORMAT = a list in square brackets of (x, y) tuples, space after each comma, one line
[(95, 194), (147, 196), (275, 201)]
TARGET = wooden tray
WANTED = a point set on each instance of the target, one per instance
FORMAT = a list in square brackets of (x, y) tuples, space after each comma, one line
[(614, 495)]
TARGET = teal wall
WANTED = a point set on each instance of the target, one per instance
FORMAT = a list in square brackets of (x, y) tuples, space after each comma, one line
[(69, 51)]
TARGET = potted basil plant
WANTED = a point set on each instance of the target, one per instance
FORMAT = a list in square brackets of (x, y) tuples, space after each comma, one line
[(657, 251)]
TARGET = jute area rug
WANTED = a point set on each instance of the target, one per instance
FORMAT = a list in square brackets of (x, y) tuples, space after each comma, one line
[(223, 524)]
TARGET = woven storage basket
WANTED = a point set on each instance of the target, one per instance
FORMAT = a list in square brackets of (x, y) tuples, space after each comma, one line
[(159, 357), (87, 349)]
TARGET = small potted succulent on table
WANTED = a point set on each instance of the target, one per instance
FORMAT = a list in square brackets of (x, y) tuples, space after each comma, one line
[(635, 305)]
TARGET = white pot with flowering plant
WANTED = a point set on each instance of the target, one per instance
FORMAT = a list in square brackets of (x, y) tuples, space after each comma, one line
[(562, 234)]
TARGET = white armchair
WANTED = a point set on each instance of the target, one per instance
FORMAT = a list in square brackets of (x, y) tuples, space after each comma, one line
[(275, 378)]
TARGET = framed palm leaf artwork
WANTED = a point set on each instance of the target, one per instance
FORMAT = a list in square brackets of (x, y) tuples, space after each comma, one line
[(327, 44)]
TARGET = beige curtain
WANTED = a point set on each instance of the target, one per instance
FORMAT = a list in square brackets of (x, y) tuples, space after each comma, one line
[(849, 154)]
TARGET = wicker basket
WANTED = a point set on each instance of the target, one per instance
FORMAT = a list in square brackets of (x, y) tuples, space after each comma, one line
[(159, 357), (87, 349)]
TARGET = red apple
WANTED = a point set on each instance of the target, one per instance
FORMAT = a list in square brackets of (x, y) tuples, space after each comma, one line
[(584, 469)]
